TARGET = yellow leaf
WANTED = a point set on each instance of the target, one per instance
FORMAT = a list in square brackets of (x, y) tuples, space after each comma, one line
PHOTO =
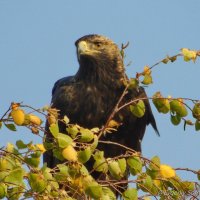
[(189, 54), (15, 106), (147, 70), (146, 198), (112, 124), (3, 164), (51, 119), (169, 97), (147, 79), (41, 147), (66, 119), (18, 116), (165, 60), (70, 153), (34, 130), (10, 147), (77, 183), (157, 183), (173, 58), (167, 171), (35, 119)]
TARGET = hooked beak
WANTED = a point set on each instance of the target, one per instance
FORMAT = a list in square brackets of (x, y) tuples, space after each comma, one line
[(82, 48)]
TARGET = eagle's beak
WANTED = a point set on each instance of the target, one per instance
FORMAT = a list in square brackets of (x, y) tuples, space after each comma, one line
[(86, 49), (82, 48)]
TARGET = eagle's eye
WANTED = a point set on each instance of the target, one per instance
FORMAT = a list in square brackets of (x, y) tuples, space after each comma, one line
[(98, 44)]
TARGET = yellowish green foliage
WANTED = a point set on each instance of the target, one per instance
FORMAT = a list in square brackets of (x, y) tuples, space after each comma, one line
[(189, 54), (22, 174)]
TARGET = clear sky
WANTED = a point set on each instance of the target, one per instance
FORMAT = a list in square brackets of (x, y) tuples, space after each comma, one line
[(37, 48)]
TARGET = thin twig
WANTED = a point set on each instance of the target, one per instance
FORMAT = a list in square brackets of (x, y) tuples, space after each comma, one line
[(115, 143), (115, 110), (187, 169), (5, 113)]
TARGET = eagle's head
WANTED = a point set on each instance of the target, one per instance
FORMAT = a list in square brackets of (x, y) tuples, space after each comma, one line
[(98, 56)]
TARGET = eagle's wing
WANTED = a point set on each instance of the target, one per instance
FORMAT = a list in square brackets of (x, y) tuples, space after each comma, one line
[(148, 112), (65, 84), (132, 129)]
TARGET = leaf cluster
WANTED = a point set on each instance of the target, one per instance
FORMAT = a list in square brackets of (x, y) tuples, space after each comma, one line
[(23, 176)]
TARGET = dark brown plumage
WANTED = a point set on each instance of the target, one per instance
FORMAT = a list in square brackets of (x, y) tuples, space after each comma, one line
[(89, 97)]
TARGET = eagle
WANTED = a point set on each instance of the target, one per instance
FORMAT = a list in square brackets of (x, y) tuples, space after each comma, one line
[(89, 97)]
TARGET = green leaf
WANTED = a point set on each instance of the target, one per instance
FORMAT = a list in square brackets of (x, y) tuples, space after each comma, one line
[(153, 173), (178, 107), (198, 175), (20, 144), (188, 186), (95, 143), (11, 127), (130, 194), (63, 169), (3, 190), (133, 83), (122, 165), (154, 190), (37, 182), (6, 163), (95, 130), (147, 79), (175, 119), (63, 140), (84, 156), (100, 164), (48, 145), (161, 104), (36, 154), (183, 111), (15, 176), (10, 148), (114, 169), (63, 173), (15, 193), (174, 104), (197, 125), (84, 172), (3, 174), (174, 183), (58, 154), (73, 131), (108, 194), (139, 109), (94, 190), (196, 111), (47, 173), (54, 129), (155, 163), (147, 184), (66, 119), (135, 165), (165, 107), (86, 135), (33, 162), (49, 178)]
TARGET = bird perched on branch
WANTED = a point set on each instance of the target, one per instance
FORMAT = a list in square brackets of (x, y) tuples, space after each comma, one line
[(89, 97)]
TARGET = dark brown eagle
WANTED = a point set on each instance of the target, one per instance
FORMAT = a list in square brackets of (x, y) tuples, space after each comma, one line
[(88, 97)]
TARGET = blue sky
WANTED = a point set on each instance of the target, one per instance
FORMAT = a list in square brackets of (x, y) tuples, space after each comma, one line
[(37, 48)]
